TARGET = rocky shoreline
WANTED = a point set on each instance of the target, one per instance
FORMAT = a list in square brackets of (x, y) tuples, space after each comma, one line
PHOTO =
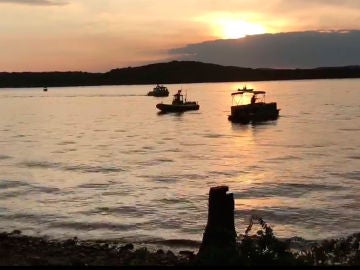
[(21, 250)]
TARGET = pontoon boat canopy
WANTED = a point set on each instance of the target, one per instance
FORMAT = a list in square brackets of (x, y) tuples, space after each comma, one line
[(242, 92)]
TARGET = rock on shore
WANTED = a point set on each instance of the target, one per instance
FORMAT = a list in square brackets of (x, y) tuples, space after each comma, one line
[(17, 249)]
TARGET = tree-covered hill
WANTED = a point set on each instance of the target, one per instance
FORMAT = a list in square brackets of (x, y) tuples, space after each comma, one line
[(171, 72)]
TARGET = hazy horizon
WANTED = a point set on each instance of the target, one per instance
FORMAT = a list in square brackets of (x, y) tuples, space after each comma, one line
[(97, 36), (240, 52)]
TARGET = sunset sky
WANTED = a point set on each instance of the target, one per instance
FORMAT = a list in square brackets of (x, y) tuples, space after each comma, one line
[(99, 35)]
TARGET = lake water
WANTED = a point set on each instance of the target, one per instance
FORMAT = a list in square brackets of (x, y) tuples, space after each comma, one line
[(101, 163)]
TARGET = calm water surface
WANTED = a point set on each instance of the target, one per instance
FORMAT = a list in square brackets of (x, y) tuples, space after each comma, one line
[(101, 163)]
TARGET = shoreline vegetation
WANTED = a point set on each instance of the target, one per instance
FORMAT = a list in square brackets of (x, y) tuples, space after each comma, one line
[(171, 73), (220, 246)]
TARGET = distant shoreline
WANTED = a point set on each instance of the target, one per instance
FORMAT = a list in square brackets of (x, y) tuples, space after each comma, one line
[(174, 72)]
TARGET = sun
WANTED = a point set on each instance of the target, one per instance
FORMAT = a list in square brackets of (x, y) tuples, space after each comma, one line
[(232, 29)]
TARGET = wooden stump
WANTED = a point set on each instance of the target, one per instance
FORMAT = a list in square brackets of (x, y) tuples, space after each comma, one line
[(219, 239)]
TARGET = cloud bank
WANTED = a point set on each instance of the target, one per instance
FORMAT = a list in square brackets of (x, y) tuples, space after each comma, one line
[(308, 49)]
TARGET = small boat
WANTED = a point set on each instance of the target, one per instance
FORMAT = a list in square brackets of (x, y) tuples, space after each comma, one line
[(255, 111), (45, 89), (179, 104), (159, 91)]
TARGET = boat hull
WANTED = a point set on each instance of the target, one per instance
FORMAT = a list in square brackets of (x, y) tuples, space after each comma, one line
[(177, 107), (154, 94), (258, 112)]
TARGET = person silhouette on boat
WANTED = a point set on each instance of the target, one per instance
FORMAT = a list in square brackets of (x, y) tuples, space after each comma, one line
[(253, 99), (178, 98)]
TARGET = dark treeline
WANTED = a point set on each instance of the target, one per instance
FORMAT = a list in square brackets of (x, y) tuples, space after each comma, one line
[(171, 72)]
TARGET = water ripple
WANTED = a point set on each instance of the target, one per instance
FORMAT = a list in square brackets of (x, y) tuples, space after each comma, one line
[(293, 215), (355, 175), (93, 185), (293, 190), (80, 167), (123, 210), (4, 184), (92, 225), (66, 143), (4, 157)]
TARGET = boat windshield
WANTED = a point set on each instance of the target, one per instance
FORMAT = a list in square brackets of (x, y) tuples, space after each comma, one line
[(160, 88)]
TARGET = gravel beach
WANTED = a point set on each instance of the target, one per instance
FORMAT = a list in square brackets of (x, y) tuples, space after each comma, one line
[(21, 250)]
